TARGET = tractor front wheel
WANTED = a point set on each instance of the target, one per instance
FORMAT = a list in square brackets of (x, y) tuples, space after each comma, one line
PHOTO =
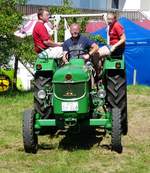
[(30, 139), (116, 130)]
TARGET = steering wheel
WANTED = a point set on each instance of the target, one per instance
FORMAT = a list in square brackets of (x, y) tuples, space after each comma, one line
[(81, 52)]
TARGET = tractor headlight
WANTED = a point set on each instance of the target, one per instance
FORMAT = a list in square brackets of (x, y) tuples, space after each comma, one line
[(41, 94), (101, 93)]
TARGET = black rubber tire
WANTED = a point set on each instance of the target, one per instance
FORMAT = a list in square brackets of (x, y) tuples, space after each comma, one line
[(30, 139), (116, 130), (117, 95), (124, 121), (39, 84)]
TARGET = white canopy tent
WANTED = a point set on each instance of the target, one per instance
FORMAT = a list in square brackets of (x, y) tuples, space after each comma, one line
[(28, 24)]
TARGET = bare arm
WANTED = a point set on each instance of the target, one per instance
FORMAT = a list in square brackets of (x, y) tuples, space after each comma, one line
[(51, 43), (119, 43), (65, 58), (94, 48)]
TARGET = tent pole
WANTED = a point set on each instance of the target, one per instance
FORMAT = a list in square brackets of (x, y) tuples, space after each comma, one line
[(134, 76)]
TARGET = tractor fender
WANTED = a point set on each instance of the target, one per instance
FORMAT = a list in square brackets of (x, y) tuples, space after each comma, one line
[(45, 64), (114, 64)]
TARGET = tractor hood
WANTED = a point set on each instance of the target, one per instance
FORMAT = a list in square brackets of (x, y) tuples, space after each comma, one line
[(75, 71)]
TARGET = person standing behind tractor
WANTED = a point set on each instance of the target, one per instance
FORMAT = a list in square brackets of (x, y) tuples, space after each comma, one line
[(42, 40), (78, 44)]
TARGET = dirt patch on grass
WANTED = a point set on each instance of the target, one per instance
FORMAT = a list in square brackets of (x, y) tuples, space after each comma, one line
[(139, 120)]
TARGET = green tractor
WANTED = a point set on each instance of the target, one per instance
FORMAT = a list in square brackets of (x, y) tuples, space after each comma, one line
[(64, 98)]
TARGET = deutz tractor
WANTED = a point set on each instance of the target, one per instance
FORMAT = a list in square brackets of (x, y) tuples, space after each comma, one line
[(65, 97)]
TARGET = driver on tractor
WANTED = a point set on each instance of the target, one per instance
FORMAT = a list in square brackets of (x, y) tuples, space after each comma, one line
[(77, 45)]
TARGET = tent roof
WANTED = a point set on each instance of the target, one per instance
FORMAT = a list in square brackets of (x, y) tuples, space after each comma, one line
[(144, 23), (134, 33), (28, 24)]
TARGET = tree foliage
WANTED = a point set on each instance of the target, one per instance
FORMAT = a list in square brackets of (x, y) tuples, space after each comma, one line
[(25, 49), (66, 8), (10, 19), (98, 39)]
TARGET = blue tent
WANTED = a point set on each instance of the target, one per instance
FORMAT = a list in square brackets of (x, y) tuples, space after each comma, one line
[(137, 52)]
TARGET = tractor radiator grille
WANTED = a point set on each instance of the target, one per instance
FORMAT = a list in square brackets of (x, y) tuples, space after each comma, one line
[(69, 90)]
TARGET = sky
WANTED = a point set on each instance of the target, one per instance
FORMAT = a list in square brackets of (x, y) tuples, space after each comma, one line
[(45, 2), (95, 4)]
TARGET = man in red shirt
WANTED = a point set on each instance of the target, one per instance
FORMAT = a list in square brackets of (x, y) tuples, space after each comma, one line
[(42, 40), (116, 35)]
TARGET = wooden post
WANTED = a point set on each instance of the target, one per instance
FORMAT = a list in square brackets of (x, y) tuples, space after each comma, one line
[(15, 73)]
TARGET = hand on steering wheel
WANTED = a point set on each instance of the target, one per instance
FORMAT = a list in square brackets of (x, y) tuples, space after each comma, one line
[(81, 52), (86, 56)]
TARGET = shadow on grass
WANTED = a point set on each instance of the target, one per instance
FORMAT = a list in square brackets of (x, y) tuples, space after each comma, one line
[(73, 140), (85, 139), (13, 93), (44, 146), (20, 93)]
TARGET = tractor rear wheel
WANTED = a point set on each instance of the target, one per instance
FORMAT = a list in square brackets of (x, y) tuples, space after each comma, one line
[(41, 83), (30, 138), (116, 130), (117, 95)]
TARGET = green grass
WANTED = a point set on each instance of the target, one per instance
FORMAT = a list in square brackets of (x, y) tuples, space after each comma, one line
[(75, 154)]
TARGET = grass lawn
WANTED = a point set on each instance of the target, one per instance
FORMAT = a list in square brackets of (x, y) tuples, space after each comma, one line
[(76, 153)]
